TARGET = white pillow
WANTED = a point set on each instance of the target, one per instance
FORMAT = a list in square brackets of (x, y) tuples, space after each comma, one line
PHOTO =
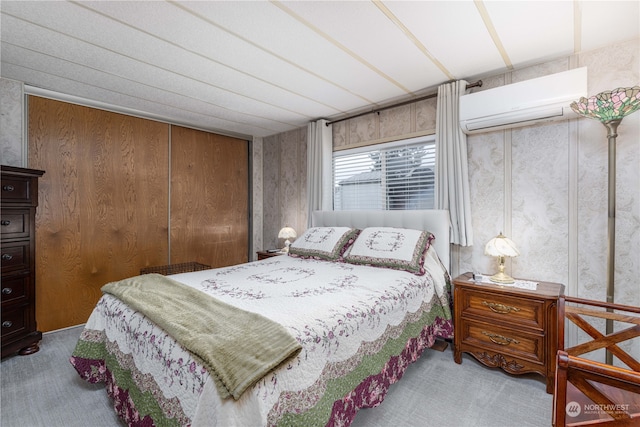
[(397, 248), (323, 242)]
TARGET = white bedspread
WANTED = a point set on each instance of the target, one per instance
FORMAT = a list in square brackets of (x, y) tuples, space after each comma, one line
[(337, 311)]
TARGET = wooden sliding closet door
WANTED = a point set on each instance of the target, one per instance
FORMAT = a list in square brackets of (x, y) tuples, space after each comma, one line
[(209, 198), (103, 204)]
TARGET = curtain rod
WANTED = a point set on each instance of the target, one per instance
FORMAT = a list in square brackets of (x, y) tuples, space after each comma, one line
[(411, 101)]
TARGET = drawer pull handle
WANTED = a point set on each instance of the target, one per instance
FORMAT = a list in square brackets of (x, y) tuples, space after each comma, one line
[(5, 222), (7, 291), (6, 257), (500, 339), (500, 308), (7, 324), (8, 187)]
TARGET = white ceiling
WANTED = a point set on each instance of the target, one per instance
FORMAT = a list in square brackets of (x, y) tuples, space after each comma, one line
[(257, 68)]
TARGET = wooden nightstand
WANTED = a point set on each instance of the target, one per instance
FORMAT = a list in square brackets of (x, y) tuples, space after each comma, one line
[(264, 254), (506, 327)]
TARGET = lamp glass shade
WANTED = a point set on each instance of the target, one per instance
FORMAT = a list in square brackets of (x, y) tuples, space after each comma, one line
[(609, 105), (287, 233), (501, 246)]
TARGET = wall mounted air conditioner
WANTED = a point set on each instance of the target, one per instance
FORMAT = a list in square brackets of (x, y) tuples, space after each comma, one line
[(525, 103)]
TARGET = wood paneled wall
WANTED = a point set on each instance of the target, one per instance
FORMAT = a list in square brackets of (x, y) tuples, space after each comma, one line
[(105, 202), (209, 198)]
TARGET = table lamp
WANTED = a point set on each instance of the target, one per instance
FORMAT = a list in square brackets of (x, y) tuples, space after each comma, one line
[(500, 246), (287, 233)]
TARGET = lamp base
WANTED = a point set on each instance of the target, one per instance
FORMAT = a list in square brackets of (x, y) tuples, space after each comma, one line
[(502, 278)]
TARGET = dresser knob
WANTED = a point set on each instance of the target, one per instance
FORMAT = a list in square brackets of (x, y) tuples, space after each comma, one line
[(7, 324), (7, 291), (6, 257), (5, 222), (8, 187)]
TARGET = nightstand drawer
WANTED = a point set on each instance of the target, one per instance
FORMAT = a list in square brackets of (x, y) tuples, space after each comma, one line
[(505, 341), (488, 305)]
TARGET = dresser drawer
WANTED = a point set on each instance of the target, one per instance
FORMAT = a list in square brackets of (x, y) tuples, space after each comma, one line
[(15, 256), (15, 288), (14, 321), (505, 341), (16, 189), (15, 223), (504, 308)]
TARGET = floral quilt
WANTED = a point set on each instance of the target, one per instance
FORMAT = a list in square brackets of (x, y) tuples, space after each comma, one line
[(359, 327)]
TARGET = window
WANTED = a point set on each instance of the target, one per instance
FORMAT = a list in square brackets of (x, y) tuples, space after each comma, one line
[(396, 175)]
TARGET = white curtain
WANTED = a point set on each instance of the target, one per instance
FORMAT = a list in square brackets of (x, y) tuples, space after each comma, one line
[(319, 167), (452, 174)]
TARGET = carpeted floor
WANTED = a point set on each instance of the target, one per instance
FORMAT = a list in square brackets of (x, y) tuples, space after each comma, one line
[(43, 389)]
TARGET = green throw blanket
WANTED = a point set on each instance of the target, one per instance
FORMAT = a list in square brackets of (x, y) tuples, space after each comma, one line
[(236, 346)]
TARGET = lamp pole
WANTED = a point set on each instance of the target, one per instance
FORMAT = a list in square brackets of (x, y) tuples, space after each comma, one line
[(612, 133)]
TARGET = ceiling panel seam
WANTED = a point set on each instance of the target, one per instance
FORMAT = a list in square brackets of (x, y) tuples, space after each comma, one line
[(275, 55), (156, 102), (492, 31), (206, 58), (244, 113), (169, 71), (153, 87), (421, 47), (341, 47), (577, 27)]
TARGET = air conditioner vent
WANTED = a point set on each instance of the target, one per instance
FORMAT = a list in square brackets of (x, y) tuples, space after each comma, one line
[(525, 103)]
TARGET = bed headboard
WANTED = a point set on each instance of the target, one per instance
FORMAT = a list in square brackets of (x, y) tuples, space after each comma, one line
[(434, 220)]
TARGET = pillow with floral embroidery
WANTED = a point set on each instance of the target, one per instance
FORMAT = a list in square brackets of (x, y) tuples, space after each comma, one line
[(327, 243), (389, 247)]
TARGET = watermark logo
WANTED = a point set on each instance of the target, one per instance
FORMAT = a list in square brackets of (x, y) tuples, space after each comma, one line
[(611, 409), (573, 409)]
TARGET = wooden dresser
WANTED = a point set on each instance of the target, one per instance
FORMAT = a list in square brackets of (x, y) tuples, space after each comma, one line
[(506, 327), (19, 199)]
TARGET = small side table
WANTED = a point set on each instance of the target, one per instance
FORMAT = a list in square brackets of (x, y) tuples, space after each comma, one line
[(264, 254), (506, 327)]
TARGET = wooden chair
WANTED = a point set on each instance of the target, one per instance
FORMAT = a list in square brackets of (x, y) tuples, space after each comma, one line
[(589, 392)]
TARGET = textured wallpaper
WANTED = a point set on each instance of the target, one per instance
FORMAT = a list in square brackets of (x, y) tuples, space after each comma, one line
[(257, 195), (11, 100), (402, 122), (285, 184)]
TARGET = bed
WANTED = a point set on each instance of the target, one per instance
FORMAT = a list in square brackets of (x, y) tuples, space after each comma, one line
[(341, 327)]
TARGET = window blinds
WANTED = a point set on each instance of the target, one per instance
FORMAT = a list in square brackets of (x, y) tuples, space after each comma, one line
[(397, 175)]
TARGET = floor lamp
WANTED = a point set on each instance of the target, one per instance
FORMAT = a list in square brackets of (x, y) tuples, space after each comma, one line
[(610, 108)]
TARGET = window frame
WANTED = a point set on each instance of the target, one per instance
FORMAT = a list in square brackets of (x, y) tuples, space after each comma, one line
[(424, 140)]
